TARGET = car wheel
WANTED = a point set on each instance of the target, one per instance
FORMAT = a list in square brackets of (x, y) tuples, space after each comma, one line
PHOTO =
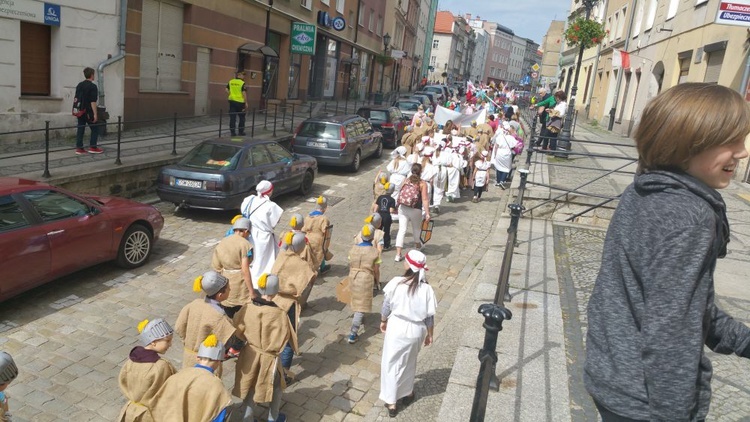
[(135, 247), (306, 186), (354, 166), (379, 151)]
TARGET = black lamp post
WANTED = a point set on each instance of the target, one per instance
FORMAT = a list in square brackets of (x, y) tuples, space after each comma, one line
[(386, 43), (563, 141)]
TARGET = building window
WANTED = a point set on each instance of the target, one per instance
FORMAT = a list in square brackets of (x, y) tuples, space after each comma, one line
[(433, 60), (161, 46), (340, 6), (361, 17), (713, 67), (371, 20), (672, 11), (325, 2), (652, 4), (307, 4), (380, 25), (684, 69), (35, 59), (435, 43)]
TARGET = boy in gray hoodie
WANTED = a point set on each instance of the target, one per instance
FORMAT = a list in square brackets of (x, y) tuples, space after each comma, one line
[(652, 309)]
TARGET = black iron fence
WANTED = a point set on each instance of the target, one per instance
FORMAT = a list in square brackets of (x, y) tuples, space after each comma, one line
[(496, 313), (175, 132)]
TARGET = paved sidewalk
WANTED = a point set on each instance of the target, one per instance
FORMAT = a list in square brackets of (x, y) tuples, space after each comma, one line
[(541, 349)]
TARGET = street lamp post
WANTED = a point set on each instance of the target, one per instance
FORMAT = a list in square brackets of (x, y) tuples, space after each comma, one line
[(386, 42), (563, 142)]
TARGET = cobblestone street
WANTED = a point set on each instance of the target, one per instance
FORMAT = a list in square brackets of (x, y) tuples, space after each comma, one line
[(71, 336)]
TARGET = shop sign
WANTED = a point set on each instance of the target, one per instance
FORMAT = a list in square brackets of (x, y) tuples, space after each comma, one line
[(339, 23), (31, 11), (324, 19), (734, 13), (303, 38)]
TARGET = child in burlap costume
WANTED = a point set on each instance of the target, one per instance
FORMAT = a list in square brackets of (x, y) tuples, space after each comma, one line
[(297, 222), (364, 272), (316, 226), (8, 372)]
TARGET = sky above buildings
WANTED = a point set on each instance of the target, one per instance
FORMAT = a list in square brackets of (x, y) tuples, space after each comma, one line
[(527, 18)]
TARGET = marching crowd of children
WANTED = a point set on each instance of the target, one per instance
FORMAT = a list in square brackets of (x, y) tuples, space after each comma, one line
[(252, 296)]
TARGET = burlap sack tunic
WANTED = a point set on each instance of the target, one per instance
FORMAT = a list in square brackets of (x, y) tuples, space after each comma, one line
[(295, 278), (362, 277), (197, 320), (191, 395), (315, 227), (139, 383), (377, 238), (267, 329), (4, 409), (227, 260)]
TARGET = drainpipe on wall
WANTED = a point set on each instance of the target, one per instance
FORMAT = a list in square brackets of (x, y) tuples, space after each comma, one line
[(120, 55)]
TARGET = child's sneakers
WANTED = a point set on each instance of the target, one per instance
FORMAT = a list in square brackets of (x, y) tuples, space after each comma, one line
[(353, 337)]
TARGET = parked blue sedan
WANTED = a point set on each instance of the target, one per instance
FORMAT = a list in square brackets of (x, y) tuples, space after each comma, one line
[(219, 173)]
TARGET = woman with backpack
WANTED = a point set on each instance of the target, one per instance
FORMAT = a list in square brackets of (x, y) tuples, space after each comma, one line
[(412, 201)]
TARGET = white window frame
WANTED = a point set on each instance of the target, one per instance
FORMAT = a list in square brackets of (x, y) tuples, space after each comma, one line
[(699, 2), (370, 22), (672, 9), (380, 26), (651, 16), (340, 5), (307, 4), (326, 2), (361, 17)]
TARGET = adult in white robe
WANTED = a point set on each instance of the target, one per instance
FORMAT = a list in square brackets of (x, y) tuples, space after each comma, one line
[(453, 167), (439, 161), (407, 319), (264, 214), (502, 155)]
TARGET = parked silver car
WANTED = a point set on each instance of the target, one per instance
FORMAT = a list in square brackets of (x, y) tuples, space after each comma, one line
[(338, 140)]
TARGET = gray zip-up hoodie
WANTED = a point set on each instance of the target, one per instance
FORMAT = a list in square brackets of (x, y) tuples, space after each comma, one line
[(652, 308)]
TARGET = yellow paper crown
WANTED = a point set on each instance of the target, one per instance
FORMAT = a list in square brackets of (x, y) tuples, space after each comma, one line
[(366, 231), (368, 220), (320, 200), (142, 325), (236, 217), (383, 180), (288, 238), (293, 221), (197, 286), (387, 185), (262, 280), (210, 341)]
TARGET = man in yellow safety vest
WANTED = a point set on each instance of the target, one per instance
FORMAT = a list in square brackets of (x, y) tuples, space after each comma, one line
[(237, 103)]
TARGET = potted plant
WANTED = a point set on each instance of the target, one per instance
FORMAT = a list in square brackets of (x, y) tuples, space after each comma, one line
[(585, 33)]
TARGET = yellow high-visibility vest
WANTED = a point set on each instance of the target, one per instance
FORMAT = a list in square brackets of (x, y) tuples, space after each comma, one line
[(235, 90)]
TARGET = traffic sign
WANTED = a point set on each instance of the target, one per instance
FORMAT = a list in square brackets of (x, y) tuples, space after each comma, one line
[(534, 75), (339, 23), (303, 38), (535, 68)]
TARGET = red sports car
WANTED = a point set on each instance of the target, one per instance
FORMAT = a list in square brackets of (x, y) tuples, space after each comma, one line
[(47, 232)]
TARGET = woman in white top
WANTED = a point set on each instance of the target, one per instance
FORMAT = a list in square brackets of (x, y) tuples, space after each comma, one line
[(560, 108), (407, 319), (502, 154), (399, 168)]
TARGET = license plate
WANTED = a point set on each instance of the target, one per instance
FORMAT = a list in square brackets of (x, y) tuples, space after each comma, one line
[(317, 144), (189, 183)]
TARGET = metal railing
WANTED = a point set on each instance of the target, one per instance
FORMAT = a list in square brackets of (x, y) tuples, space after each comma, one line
[(176, 131), (496, 313)]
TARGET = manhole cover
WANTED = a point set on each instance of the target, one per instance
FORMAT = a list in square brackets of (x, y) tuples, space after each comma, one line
[(332, 200)]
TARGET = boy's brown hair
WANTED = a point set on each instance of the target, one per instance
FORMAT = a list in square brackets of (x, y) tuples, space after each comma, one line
[(686, 120)]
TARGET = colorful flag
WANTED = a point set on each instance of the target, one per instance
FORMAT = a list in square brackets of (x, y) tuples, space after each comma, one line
[(620, 59)]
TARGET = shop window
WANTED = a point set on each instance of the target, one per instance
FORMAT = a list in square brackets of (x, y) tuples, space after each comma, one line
[(35, 59), (161, 46), (295, 67)]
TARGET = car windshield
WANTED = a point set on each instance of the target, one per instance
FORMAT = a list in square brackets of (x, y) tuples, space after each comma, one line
[(433, 89), (213, 156), (408, 105), (379, 115), (319, 130)]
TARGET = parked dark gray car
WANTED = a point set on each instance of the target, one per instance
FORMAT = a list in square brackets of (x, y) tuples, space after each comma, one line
[(338, 140), (219, 173)]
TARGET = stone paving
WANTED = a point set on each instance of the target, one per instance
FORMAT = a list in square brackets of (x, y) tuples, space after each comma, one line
[(71, 336)]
